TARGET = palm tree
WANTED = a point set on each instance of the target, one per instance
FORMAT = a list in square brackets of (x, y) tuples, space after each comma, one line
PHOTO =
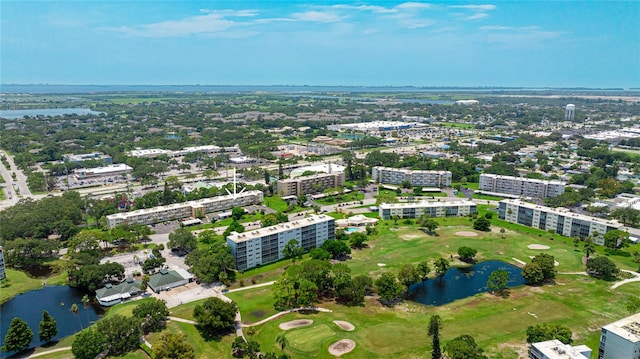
[(589, 248), (502, 232), (74, 309), (282, 341), (85, 302), (435, 324)]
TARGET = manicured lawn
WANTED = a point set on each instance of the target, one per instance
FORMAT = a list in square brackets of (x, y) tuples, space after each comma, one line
[(275, 203), (257, 303), (18, 282), (487, 197), (203, 349), (346, 197)]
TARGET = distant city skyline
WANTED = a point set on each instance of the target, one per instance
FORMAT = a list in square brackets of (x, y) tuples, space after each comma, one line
[(322, 43)]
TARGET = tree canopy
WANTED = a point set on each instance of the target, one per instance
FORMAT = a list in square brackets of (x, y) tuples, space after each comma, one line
[(152, 313), (602, 267), (548, 331), (48, 327), (215, 317), (18, 336), (183, 240)]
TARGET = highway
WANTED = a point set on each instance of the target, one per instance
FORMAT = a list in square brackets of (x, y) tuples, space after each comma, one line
[(13, 190)]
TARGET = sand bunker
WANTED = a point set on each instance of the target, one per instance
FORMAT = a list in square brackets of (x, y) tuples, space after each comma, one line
[(408, 237), (381, 264), (342, 347), (466, 234), (295, 324), (345, 325), (538, 246)]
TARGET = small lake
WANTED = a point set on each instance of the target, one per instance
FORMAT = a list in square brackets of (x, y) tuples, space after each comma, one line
[(15, 114), (29, 307), (459, 283)]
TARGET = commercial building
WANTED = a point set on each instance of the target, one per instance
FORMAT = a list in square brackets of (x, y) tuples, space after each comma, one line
[(428, 208), (310, 184), (3, 273), (112, 294), (185, 210), (621, 339), (207, 150), (397, 176), (106, 171), (166, 279), (98, 156), (559, 220), (376, 126), (555, 349), (519, 186), (265, 245)]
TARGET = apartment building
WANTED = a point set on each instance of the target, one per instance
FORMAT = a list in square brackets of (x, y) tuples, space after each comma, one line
[(519, 186), (621, 339), (555, 349), (310, 184), (265, 245), (186, 209), (3, 273), (560, 220), (420, 178), (429, 208)]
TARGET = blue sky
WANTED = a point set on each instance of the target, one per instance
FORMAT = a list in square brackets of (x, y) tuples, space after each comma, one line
[(369, 43)]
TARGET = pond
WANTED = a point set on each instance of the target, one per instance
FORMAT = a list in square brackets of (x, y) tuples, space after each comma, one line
[(459, 283), (15, 114), (57, 300)]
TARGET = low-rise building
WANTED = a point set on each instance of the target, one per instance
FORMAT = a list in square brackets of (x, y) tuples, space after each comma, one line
[(559, 220), (182, 210), (106, 171), (421, 178), (428, 208), (166, 279), (310, 184), (621, 339), (98, 156), (520, 186), (555, 349), (112, 294), (265, 245)]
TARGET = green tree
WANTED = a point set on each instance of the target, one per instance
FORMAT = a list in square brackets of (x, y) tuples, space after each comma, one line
[(616, 239), (464, 347), (215, 317), (441, 265), (502, 231), (152, 313), (435, 325), (498, 281), (602, 267), (532, 273), (408, 275), (357, 240), (237, 213), (282, 342), (122, 333), (319, 253), (212, 264), (293, 251), (173, 346), (482, 224), (388, 287), (467, 254), (546, 331), (423, 270), (547, 264), (18, 336), (48, 327), (183, 240), (88, 344), (428, 223), (336, 248)]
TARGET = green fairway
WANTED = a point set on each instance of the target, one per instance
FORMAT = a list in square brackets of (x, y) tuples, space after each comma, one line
[(257, 303), (308, 341)]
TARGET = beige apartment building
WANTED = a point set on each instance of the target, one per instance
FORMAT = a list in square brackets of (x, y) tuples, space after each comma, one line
[(310, 184), (388, 175)]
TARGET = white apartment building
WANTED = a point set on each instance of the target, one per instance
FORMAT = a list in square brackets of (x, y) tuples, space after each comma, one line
[(111, 170), (429, 208), (265, 245), (555, 349), (560, 220), (621, 339), (310, 184), (186, 209), (519, 186), (421, 178)]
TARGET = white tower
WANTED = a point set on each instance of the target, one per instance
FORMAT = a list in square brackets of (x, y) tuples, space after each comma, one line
[(570, 112)]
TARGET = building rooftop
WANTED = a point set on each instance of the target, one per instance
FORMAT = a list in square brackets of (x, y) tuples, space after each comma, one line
[(555, 349), (282, 227), (106, 169), (409, 171), (427, 204), (627, 328), (563, 212), (122, 290), (530, 180)]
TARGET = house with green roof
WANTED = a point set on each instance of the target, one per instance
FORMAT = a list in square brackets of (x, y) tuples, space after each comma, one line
[(112, 294), (166, 279)]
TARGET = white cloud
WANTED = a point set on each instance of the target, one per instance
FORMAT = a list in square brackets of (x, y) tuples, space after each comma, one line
[(415, 23), (412, 6), (317, 16), (476, 16), (475, 7), (201, 24), (495, 28), (372, 8)]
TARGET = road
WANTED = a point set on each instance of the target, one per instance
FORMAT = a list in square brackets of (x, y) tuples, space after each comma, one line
[(13, 189)]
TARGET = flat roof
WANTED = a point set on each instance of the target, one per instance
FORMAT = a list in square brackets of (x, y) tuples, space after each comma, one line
[(105, 169), (405, 170), (530, 180), (555, 349), (427, 204), (627, 328), (282, 227), (562, 212)]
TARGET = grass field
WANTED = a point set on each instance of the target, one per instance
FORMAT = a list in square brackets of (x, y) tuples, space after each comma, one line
[(487, 197)]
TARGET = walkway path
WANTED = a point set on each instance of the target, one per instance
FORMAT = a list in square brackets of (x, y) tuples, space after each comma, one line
[(63, 349), (636, 278), (176, 319), (277, 315)]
